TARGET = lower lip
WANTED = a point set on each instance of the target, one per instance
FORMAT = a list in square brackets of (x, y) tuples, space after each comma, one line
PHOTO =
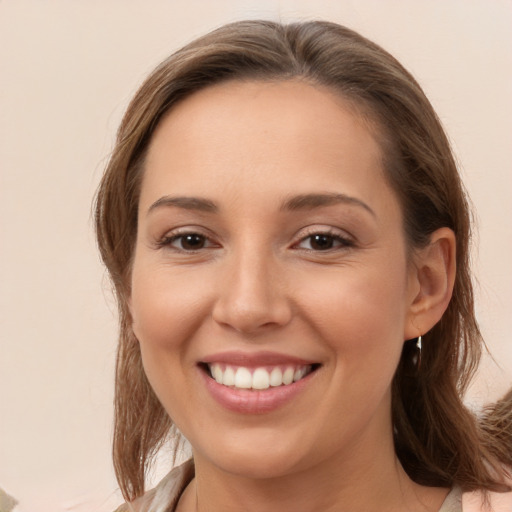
[(247, 401)]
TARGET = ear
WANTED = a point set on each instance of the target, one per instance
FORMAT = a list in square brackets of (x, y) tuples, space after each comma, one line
[(431, 283)]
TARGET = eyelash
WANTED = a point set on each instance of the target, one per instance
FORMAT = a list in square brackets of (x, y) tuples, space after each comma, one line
[(332, 237), (168, 241), (342, 241)]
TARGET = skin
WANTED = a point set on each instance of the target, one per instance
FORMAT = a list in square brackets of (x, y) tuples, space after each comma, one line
[(256, 281)]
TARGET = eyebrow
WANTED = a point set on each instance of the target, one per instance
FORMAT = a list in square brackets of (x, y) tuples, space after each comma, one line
[(312, 201), (187, 203), (300, 202)]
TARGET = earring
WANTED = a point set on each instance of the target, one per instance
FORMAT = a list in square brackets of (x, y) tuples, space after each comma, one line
[(416, 356), (410, 362)]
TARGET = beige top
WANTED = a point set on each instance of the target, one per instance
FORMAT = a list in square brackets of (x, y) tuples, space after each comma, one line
[(165, 496)]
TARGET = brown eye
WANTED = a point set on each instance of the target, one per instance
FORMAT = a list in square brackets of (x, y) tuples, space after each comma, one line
[(188, 242), (192, 242), (321, 242), (324, 242)]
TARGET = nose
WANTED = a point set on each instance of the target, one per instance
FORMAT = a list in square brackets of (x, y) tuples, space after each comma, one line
[(252, 294)]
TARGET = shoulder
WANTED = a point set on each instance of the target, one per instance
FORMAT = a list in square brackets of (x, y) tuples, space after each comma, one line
[(496, 502), (165, 496), (453, 502)]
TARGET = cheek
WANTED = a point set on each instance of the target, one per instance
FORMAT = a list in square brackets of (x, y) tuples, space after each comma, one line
[(166, 310), (360, 316), (360, 322), (166, 306)]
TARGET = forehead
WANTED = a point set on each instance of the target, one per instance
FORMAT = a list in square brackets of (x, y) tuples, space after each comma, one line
[(266, 135), (285, 103)]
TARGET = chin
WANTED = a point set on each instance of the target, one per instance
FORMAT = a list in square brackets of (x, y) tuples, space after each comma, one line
[(266, 458), (258, 467)]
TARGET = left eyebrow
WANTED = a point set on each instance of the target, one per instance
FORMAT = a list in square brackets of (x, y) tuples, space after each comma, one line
[(312, 201), (187, 203)]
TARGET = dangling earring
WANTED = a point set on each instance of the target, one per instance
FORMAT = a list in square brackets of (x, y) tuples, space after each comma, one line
[(411, 358), (416, 357)]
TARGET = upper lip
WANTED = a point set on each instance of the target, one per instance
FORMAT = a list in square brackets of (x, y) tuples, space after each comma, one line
[(263, 358)]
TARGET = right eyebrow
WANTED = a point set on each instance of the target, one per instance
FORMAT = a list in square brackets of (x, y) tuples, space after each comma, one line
[(187, 203), (312, 201)]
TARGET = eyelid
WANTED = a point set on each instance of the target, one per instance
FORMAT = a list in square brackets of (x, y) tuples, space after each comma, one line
[(346, 240), (174, 234)]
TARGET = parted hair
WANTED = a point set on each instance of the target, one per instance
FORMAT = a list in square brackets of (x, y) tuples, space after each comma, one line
[(438, 440)]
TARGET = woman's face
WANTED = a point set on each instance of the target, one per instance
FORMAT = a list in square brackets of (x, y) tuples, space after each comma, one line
[(270, 248)]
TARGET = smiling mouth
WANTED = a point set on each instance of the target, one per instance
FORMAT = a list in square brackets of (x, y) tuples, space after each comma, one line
[(258, 378)]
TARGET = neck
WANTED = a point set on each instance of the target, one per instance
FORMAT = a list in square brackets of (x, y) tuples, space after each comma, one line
[(347, 482)]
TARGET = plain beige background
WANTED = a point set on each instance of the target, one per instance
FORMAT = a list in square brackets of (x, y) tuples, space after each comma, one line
[(67, 70)]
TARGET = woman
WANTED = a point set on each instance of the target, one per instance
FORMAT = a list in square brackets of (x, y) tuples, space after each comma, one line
[(287, 234)]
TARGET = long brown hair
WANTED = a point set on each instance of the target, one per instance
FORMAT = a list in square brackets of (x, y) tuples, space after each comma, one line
[(438, 441)]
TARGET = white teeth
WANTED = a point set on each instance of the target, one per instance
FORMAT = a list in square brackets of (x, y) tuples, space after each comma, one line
[(258, 378), (299, 373), (276, 377), (229, 377), (217, 373), (288, 376), (243, 378)]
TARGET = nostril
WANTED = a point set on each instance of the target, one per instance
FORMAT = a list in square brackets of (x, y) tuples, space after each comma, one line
[(250, 318), (250, 300)]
